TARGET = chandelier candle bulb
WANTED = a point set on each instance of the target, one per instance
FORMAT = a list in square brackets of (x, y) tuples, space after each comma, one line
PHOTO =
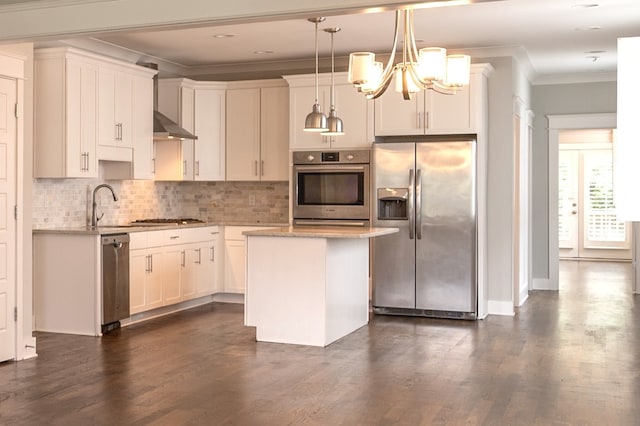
[(360, 65), (458, 70), (432, 64)]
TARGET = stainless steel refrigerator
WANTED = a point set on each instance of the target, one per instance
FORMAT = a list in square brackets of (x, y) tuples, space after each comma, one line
[(428, 190)]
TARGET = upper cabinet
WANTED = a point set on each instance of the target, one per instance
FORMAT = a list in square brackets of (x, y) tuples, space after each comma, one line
[(66, 88), (429, 112), (352, 107), (257, 131), (199, 107), (88, 108)]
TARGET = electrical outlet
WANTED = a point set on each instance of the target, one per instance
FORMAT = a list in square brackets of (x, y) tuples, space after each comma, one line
[(252, 200)]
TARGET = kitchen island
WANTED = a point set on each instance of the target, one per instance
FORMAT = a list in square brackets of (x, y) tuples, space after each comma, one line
[(308, 285)]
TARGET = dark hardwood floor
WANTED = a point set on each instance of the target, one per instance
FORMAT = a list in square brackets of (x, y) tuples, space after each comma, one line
[(567, 358)]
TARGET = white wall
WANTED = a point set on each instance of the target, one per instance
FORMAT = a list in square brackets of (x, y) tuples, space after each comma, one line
[(557, 99)]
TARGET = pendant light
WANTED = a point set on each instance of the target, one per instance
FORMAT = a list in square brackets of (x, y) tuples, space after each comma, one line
[(334, 123), (316, 121)]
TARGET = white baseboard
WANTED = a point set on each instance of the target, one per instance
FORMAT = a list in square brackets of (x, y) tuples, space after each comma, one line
[(500, 307)]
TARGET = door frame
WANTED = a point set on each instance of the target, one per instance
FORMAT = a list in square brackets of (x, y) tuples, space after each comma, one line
[(558, 123)]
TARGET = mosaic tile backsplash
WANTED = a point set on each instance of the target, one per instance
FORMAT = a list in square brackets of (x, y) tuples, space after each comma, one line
[(67, 202)]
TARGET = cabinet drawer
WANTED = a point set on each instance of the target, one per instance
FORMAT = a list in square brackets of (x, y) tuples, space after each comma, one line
[(194, 235)]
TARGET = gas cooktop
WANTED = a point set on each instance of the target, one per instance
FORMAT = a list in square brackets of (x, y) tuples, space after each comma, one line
[(167, 221)]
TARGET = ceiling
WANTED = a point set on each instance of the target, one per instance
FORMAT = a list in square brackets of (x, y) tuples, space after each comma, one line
[(555, 37)]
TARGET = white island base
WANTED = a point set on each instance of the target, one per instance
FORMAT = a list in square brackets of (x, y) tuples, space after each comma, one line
[(307, 286)]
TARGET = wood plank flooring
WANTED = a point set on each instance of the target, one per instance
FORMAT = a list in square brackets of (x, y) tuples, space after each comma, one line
[(567, 358)]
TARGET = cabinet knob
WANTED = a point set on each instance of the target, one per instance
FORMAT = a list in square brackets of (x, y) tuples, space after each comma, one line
[(310, 158), (350, 157)]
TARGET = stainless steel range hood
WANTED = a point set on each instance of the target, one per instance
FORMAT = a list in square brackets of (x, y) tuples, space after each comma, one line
[(163, 127)]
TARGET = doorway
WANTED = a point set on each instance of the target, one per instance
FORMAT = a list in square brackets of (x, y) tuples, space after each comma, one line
[(587, 223)]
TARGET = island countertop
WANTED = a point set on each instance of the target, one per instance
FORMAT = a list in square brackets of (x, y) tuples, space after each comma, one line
[(321, 232)]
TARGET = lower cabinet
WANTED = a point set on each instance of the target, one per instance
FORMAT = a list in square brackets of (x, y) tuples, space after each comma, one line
[(171, 266), (235, 257)]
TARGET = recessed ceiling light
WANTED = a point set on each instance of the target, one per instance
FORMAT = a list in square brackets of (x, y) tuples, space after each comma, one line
[(589, 28), (223, 35), (263, 52), (594, 52), (585, 5)]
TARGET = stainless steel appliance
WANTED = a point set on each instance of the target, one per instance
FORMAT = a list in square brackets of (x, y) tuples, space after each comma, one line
[(331, 188), (428, 190), (115, 280)]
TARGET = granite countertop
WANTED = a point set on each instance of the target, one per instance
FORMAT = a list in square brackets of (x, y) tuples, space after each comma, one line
[(119, 229), (321, 232)]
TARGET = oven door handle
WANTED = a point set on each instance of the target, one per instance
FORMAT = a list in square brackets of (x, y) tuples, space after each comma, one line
[(323, 169)]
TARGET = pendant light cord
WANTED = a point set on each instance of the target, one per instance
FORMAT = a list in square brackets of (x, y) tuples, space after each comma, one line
[(316, 62), (333, 88)]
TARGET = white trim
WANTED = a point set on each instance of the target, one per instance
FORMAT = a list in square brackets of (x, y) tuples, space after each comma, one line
[(557, 123), (524, 295), (501, 307)]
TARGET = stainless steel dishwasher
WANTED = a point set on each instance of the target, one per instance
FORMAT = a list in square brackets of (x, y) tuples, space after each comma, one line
[(115, 280)]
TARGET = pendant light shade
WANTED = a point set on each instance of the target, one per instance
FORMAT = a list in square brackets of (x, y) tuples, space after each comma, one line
[(316, 121), (334, 123)]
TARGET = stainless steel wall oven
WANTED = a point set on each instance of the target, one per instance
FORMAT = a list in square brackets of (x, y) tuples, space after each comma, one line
[(331, 188)]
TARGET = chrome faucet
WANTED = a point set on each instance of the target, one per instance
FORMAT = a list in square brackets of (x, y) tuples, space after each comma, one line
[(94, 215)]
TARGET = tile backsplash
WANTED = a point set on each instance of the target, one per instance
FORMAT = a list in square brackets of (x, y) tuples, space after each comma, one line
[(67, 202)]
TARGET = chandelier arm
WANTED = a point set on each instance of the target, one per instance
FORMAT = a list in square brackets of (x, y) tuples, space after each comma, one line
[(442, 89), (387, 73), (375, 94)]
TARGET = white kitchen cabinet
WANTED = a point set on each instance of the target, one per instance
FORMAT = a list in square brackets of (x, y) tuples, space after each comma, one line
[(66, 94), (199, 107), (257, 131), (115, 94), (429, 112), (171, 266), (355, 110), (142, 130), (88, 108), (209, 126), (235, 258)]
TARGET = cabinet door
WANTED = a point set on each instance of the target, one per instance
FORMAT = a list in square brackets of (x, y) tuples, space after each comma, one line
[(190, 261), (138, 268), (356, 112), (301, 101), (243, 134), (209, 127), (81, 119), (142, 130), (153, 280), (396, 116), (205, 276), (171, 270), (234, 266), (187, 121), (447, 114), (124, 109), (274, 133), (115, 108)]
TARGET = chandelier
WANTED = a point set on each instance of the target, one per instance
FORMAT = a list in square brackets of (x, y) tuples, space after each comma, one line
[(428, 68)]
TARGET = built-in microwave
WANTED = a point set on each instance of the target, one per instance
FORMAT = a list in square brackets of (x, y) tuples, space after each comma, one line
[(331, 187)]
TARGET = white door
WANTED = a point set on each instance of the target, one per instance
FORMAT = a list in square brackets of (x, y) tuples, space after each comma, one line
[(7, 219), (588, 226)]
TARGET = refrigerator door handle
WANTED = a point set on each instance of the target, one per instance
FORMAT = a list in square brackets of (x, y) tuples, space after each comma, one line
[(419, 204), (412, 216)]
